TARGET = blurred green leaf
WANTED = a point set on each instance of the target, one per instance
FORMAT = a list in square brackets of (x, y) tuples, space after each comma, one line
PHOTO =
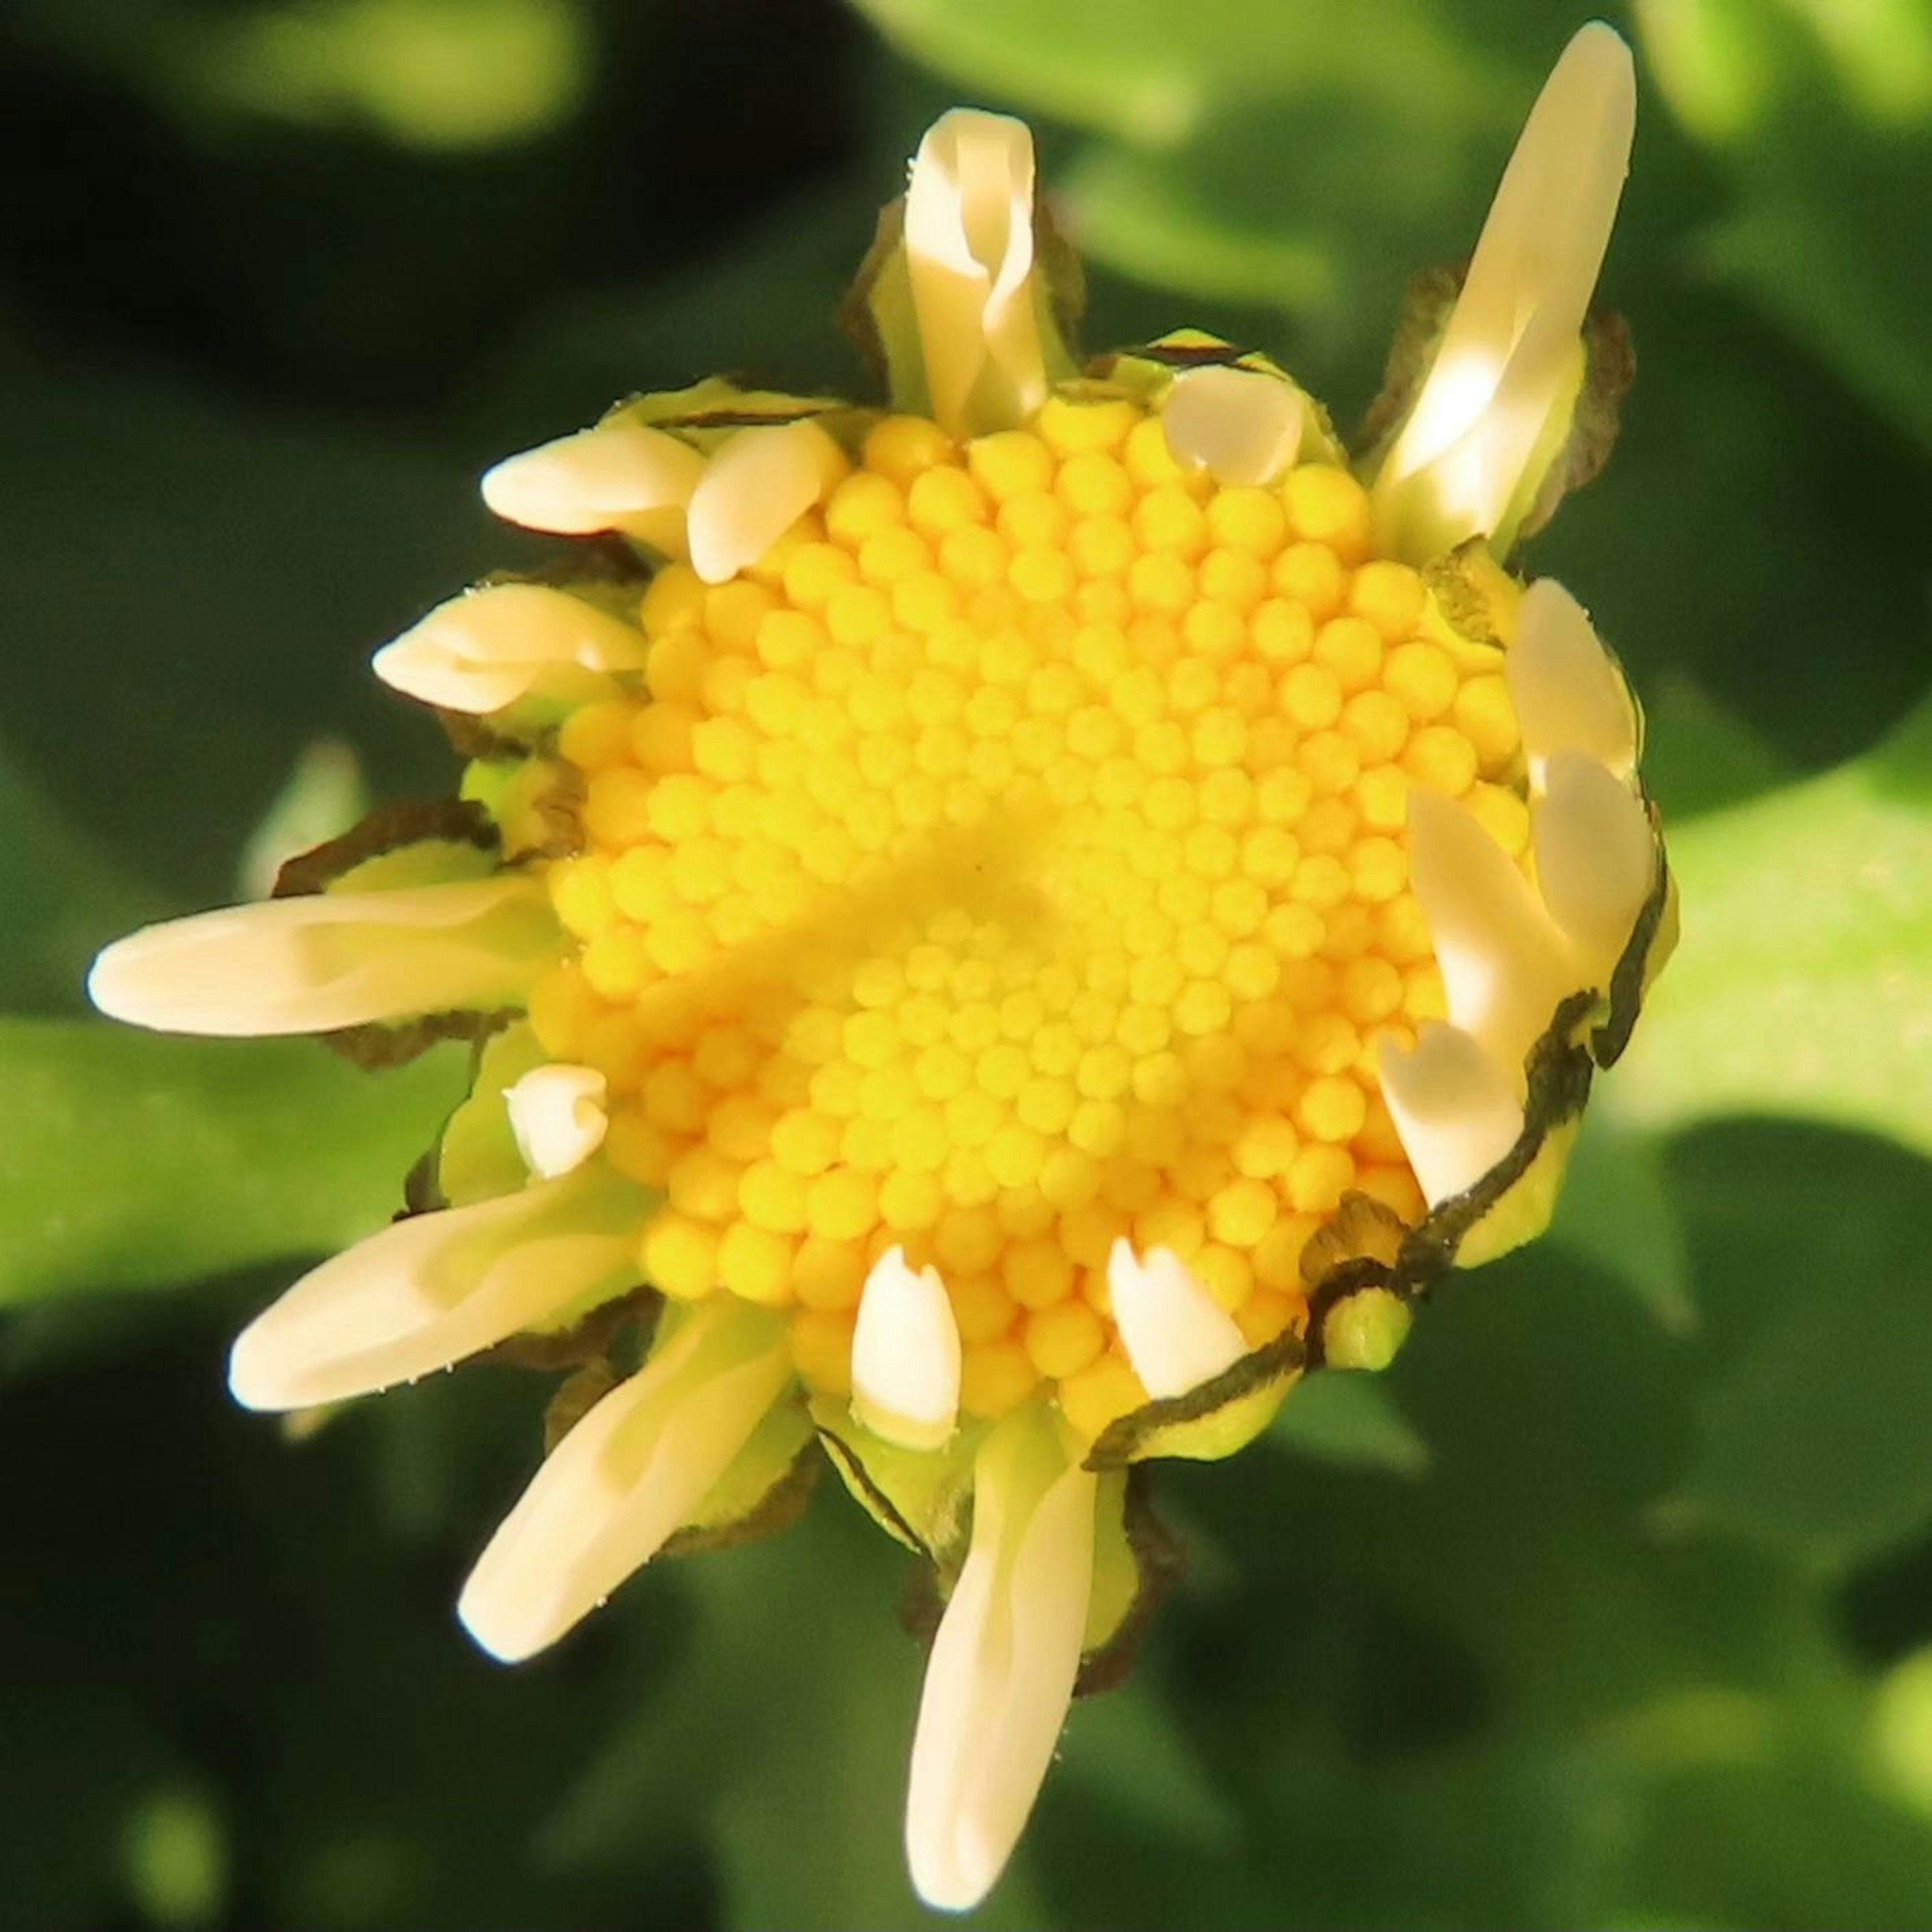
[(1616, 1213), (1819, 114), (1804, 980), (1817, 1439), (1350, 1419), (129, 1160)]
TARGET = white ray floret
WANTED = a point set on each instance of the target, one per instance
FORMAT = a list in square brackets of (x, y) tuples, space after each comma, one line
[(558, 1115), (620, 475), (1506, 968), (1241, 425), (906, 1355), (321, 961), (1455, 1110), (753, 488), (620, 1484), (1176, 1334), (1000, 1676), (1568, 694), (486, 648), (429, 1290), (1507, 369), (970, 255), (1596, 858)]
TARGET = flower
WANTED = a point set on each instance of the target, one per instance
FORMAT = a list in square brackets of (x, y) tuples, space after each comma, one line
[(999, 931)]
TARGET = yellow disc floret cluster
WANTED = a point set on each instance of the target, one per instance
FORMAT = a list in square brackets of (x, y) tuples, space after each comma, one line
[(1013, 860)]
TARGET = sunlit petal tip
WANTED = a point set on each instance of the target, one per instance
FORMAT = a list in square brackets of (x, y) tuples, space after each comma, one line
[(1596, 856), (422, 1294), (1506, 967), (597, 479), (557, 1114), (753, 489), (969, 257), (906, 1355), (484, 650), (1000, 1677), (1176, 1334), (1455, 1109), (1508, 359), (320, 961), (1242, 425), (624, 1480), (1568, 693)]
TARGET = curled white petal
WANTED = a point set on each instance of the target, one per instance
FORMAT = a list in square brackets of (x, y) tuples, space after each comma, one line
[(325, 960), (557, 1115), (906, 1355), (1509, 356), (485, 649), (618, 476), (969, 248), (1001, 1673), (1455, 1109), (1568, 694), (1596, 858), (1176, 1334), (623, 1480), (1505, 966), (431, 1289), (1243, 425), (752, 491)]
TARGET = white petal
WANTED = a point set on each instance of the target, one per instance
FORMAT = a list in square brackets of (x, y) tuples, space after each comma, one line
[(1509, 352), (1000, 1677), (325, 960), (557, 1115), (1241, 424), (432, 1288), (757, 485), (970, 257), (624, 1480), (1505, 966), (618, 476), (905, 1355), (1568, 694), (484, 650), (1455, 1109), (1596, 858), (1176, 1334)]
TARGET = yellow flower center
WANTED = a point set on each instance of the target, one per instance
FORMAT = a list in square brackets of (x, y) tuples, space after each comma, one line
[(1014, 860)]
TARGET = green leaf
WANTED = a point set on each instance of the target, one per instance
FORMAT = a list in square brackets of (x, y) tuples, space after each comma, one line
[(1804, 975), (1817, 113), (133, 1160), (1816, 1441)]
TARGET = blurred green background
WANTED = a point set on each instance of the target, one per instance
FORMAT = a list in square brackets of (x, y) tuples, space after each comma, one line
[(1611, 1605)]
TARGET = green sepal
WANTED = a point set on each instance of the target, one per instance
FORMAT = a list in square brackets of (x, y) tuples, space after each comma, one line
[(710, 412), (1136, 1561), (1512, 1204), (440, 842), (878, 317), (1145, 374), (765, 1489), (921, 1498), (1472, 607), (432, 842), (477, 1158), (1652, 941), (1577, 437), (535, 803), (1577, 445), (1211, 1420)]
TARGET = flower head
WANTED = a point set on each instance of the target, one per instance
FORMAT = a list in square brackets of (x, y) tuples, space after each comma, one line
[(1023, 921)]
